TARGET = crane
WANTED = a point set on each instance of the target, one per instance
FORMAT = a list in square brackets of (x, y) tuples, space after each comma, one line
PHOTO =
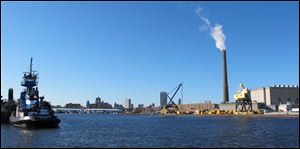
[(171, 107), (242, 99)]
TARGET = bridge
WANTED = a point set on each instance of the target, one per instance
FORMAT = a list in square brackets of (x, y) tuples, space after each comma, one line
[(71, 110)]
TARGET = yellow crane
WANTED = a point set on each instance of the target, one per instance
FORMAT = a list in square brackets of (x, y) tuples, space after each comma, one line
[(171, 107), (242, 99)]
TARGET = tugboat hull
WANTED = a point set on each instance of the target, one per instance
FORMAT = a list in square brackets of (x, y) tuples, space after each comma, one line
[(4, 117), (35, 122)]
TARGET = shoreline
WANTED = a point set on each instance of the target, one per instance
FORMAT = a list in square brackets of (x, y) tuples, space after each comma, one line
[(283, 115)]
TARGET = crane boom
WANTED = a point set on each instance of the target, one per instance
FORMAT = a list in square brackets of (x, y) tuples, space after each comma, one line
[(178, 87)]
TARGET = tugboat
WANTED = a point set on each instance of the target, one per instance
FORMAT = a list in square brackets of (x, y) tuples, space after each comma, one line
[(32, 111)]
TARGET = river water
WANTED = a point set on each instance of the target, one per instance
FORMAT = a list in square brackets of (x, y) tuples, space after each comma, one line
[(93, 130)]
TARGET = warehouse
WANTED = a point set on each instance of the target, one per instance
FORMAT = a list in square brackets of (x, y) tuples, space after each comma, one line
[(276, 95)]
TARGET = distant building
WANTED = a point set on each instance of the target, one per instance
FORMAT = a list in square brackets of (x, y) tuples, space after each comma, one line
[(179, 101), (276, 95), (141, 106), (128, 104), (151, 106), (98, 100), (88, 103), (57, 106), (73, 106), (131, 106), (163, 99), (118, 106), (92, 106), (99, 104)]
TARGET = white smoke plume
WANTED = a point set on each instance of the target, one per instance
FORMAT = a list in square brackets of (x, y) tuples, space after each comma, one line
[(216, 31), (219, 37)]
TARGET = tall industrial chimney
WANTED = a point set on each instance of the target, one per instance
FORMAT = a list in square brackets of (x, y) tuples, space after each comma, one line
[(225, 89)]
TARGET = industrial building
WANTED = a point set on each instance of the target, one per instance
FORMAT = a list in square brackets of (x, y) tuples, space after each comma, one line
[(232, 106), (276, 95), (197, 106), (270, 98)]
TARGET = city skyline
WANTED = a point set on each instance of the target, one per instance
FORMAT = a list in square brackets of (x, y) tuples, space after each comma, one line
[(119, 50)]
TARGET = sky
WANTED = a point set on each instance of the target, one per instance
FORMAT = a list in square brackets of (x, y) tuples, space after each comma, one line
[(118, 50)]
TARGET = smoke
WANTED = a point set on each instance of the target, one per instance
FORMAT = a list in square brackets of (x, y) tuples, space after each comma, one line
[(216, 32), (219, 37)]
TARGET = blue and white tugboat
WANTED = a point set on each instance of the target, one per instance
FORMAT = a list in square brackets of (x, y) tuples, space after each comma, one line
[(32, 111)]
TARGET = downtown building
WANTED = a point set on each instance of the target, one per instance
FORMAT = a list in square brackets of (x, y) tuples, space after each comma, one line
[(128, 104), (99, 104), (163, 99)]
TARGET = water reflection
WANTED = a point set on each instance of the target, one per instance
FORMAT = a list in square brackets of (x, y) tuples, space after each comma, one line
[(25, 138)]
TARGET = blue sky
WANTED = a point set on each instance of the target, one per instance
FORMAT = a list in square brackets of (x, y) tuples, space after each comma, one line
[(119, 50)]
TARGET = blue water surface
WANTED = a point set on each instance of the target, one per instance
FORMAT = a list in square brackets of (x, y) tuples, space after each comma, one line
[(101, 130)]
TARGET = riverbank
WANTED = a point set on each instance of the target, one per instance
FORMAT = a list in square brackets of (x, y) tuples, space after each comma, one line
[(273, 114)]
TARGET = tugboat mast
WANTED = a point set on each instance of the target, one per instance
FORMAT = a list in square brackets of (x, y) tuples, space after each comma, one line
[(30, 65), (30, 81)]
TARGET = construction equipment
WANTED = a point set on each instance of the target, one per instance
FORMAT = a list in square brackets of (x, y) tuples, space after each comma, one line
[(242, 99), (171, 107)]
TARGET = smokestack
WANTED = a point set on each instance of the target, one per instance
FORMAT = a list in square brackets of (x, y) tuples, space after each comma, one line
[(225, 89)]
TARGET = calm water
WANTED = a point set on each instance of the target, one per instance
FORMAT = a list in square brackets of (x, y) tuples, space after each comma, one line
[(157, 131)]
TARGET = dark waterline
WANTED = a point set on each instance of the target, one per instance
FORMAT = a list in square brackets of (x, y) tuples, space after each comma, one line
[(80, 130)]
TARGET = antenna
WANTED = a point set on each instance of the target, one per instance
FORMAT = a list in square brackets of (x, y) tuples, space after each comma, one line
[(30, 65)]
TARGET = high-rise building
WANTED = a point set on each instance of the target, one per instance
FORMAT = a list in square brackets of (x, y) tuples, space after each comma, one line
[(128, 104), (163, 99), (131, 106), (88, 103), (179, 101)]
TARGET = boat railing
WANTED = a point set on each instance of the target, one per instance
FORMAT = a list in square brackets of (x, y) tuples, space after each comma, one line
[(29, 82)]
